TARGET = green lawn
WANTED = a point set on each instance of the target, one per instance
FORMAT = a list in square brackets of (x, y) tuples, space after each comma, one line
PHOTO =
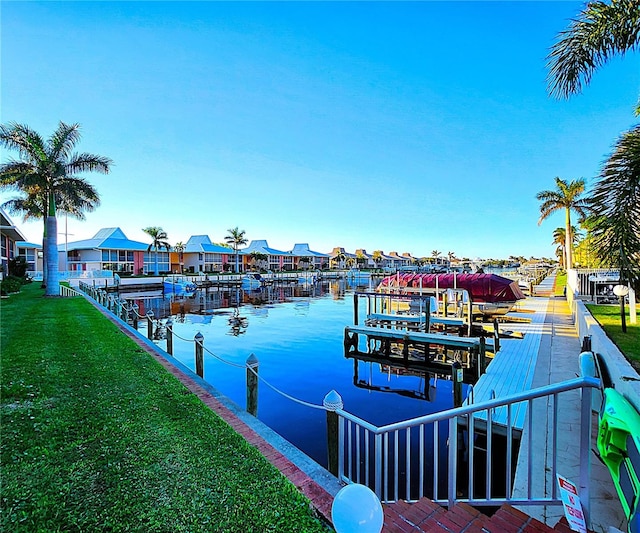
[(609, 318), (560, 284), (97, 436)]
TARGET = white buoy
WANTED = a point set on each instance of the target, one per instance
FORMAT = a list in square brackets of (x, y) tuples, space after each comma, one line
[(356, 509)]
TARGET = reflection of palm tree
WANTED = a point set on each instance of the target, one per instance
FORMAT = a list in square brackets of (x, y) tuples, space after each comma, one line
[(236, 239), (238, 323), (567, 196), (159, 240), (46, 174)]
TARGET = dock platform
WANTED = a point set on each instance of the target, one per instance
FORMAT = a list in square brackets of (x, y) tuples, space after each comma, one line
[(512, 369)]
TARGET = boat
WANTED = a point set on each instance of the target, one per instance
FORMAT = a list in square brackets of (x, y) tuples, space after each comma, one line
[(490, 294), (252, 281), (178, 284)]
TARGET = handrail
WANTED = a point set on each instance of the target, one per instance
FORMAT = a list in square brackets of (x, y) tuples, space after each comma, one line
[(473, 408), (393, 459)]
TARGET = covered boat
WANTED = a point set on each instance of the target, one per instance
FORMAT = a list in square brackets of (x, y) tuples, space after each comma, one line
[(489, 293)]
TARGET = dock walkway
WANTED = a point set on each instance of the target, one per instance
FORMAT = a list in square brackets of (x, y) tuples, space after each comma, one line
[(512, 368)]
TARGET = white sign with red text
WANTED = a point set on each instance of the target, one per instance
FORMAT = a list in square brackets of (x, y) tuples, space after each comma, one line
[(572, 505)]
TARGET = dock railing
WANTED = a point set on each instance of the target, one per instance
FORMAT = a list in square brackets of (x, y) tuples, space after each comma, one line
[(397, 461)]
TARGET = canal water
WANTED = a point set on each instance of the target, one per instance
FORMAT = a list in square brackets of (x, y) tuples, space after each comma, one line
[(296, 332)]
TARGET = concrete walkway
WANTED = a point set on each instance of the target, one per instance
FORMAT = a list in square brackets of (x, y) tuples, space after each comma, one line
[(558, 361)]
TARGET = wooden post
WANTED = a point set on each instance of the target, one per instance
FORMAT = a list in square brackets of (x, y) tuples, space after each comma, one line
[(457, 375), (445, 303), (134, 316), (252, 385), (150, 325), (427, 316), (331, 402), (496, 336), (170, 337), (355, 309), (482, 358), (199, 340)]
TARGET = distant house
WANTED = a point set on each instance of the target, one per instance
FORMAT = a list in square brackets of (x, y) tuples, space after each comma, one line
[(32, 254), (201, 255), (363, 259), (277, 260), (339, 258), (9, 236), (110, 249), (304, 258)]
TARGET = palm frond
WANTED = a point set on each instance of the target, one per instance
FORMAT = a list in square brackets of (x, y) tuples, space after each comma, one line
[(616, 206), (88, 163), (600, 31), (63, 141)]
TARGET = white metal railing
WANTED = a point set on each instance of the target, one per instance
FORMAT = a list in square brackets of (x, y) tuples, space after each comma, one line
[(69, 291), (422, 457)]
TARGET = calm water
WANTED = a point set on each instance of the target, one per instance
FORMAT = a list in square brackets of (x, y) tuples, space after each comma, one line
[(297, 335)]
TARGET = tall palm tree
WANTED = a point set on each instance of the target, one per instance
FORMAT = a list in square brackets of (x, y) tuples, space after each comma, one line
[(567, 197), (236, 239), (159, 241), (435, 254), (560, 238), (45, 174), (615, 222), (600, 32)]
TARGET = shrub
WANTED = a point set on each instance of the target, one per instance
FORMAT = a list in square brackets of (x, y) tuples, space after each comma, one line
[(10, 285)]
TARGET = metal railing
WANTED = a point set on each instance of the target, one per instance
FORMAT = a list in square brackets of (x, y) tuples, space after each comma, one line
[(66, 291), (426, 456)]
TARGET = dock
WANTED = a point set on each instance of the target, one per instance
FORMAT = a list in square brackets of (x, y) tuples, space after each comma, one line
[(512, 369), (431, 351)]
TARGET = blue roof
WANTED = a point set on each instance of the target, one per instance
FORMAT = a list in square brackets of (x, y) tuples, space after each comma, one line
[(107, 239), (25, 244), (202, 243), (302, 250), (262, 247)]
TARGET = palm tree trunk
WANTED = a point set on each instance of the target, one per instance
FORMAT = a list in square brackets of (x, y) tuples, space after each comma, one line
[(155, 265), (567, 241), (51, 251)]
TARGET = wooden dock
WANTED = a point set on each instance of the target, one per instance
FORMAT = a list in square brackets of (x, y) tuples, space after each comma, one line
[(433, 350), (512, 368)]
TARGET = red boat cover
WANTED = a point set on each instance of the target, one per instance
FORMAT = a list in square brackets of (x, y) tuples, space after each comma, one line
[(489, 288)]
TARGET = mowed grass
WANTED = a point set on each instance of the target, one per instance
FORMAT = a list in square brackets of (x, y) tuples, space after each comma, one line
[(609, 318), (97, 436), (560, 283)]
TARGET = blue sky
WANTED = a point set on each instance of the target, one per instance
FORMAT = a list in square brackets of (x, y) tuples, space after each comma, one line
[(407, 127)]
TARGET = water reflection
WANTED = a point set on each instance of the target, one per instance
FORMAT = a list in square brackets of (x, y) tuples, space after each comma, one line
[(238, 323)]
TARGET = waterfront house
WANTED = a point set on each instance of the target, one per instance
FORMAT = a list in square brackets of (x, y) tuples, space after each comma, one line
[(306, 259), (110, 249), (339, 258), (202, 255), (9, 236), (277, 260)]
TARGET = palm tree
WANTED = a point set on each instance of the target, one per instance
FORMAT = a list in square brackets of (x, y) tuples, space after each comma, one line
[(377, 258), (560, 238), (567, 196), (179, 248), (236, 239), (46, 175), (600, 32), (435, 254), (159, 240), (615, 221)]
